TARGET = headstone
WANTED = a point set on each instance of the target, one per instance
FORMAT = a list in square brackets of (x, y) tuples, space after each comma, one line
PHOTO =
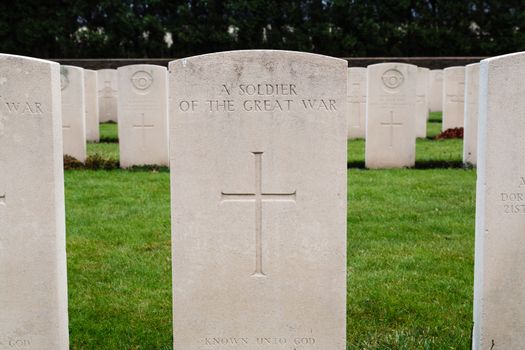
[(91, 100), (33, 283), (73, 112), (107, 84), (499, 290), (391, 110), (356, 102), (422, 101), (143, 115), (453, 97), (470, 131), (436, 90), (258, 186)]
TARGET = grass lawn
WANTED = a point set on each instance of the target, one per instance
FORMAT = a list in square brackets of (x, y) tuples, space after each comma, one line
[(410, 253)]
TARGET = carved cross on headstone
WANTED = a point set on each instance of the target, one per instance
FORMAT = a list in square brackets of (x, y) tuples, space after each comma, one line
[(108, 94), (391, 124), (459, 95), (258, 197), (143, 126), (357, 98), (2, 198)]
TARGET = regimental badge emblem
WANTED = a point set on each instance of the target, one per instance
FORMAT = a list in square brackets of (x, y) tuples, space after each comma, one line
[(142, 80), (393, 79)]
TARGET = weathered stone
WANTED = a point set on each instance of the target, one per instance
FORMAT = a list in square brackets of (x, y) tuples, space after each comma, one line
[(73, 112), (107, 84), (453, 97), (356, 103), (422, 110), (91, 101), (258, 186), (143, 115), (470, 132), (390, 118), (499, 289), (436, 90), (33, 283)]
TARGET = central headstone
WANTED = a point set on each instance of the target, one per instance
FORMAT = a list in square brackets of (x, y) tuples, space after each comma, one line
[(33, 283), (390, 116), (258, 188)]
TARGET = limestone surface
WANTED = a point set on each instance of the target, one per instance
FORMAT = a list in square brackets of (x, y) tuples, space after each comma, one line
[(143, 115), (33, 282), (453, 97), (499, 290), (107, 84), (73, 112), (391, 116), (356, 103), (91, 101), (258, 187)]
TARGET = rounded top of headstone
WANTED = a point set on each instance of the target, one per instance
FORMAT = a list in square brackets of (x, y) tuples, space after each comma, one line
[(507, 57), (454, 68), (258, 54), (26, 59)]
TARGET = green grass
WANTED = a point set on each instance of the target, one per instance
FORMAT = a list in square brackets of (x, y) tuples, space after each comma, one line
[(118, 242), (410, 258), (108, 132), (106, 150), (410, 254)]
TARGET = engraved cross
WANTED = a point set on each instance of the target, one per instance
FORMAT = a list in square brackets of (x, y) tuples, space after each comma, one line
[(391, 124), (357, 98), (459, 95), (108, 93), (143, 126), (258, 197), (2, 198)]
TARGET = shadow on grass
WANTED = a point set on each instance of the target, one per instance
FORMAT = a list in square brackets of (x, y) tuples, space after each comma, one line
[(108, 139), (421, 164), (97, 162)]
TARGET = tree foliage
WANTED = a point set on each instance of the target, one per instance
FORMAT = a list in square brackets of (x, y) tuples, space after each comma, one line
[(176, 28)]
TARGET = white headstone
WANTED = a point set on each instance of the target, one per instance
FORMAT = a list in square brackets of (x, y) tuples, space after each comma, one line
[(390, 118), (73, 112), (470, 131), (423, 76), (258, 188), (143, 115), (356, 103), (91, 101), (33, 283), (107, 84), (453, 97), (436, 90), (499, 289)]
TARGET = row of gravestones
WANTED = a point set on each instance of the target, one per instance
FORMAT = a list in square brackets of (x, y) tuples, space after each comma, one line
[(141, 102), (400, 99), (258, 202)]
